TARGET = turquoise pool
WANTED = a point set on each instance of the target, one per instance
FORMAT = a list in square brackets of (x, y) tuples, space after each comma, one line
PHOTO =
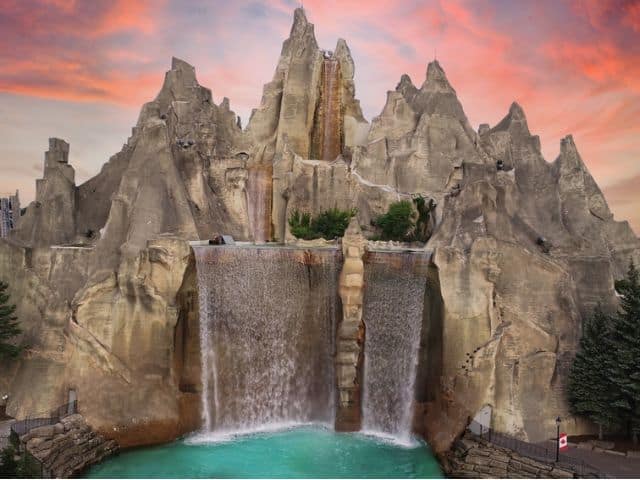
[(304, 452)]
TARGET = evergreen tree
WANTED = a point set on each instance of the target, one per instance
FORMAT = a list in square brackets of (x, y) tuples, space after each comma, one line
[(9, 328), (8, 464), (591, 390), (398, 222), (625, 369)]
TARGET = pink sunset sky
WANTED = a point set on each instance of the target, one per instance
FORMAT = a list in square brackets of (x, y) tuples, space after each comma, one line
[(81, 70)]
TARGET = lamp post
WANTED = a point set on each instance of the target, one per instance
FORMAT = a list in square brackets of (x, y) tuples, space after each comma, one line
[(558, 439)]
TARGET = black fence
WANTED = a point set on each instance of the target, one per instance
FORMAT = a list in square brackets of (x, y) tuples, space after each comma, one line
[(52, 417), (533, 450)]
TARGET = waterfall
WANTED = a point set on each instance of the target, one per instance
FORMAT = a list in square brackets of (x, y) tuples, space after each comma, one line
[(259, 188), (331, 142), (393, 311), (267, 336)]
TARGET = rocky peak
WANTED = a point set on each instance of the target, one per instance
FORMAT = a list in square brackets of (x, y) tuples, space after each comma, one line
[(515, 121), (302, 33), (568, 146), (56, 160), (569, 160), (343, 55), (179, 82), (300, 23), (58, 151), (436, 80), (406, 87), (179, 64)]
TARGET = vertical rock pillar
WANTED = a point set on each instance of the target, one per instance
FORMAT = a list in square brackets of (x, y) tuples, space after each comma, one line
[(350, 344)]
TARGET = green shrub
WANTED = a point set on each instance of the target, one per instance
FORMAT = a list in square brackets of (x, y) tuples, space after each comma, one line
[(398, 222), (406, 221), (329, 224), (332, 223), (300, 224)]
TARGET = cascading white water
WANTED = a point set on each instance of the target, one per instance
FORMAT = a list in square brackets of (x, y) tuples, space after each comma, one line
[(393, 312), (267, 336)]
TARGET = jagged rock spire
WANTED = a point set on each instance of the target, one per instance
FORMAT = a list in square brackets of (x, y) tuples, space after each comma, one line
[(300, 22), (406, 87), (436, 79), (515, 121)]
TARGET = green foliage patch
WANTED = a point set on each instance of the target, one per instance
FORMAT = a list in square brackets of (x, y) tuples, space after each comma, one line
[(406, 221), (9, 328), (328, 224)]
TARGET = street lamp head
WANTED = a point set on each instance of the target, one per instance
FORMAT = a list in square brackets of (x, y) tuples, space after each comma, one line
[(558, 420)]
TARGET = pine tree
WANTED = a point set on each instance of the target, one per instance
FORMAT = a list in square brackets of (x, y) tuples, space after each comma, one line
[(9, 328), (591, 391), (625, 370), (8, 464)]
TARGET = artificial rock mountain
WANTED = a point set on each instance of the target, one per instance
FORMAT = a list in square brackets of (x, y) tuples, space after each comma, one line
[(105, 283)]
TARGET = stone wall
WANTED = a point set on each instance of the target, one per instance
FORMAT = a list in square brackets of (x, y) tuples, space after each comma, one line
[(474, 457), (66, 448), (349, 358)]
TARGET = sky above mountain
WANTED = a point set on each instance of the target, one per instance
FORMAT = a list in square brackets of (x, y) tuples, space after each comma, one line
[(81, 70)]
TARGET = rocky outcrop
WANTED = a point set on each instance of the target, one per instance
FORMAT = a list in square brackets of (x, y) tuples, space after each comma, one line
[(475, 457), (514, 227), (350, 343), (67, 447), (51, 218), (310, 104), (120, 343)]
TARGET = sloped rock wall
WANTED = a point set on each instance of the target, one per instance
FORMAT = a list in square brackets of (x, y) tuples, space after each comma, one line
[(68, 447)]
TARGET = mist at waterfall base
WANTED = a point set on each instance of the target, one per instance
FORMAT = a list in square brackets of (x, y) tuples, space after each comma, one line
[(304, 452)]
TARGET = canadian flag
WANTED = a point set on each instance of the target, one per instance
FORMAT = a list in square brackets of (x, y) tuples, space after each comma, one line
[(563, 443)]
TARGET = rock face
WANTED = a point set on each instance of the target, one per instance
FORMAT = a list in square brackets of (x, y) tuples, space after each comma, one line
[(67, 448), (104, 279), (475, 457), (51, 218), (349, 350)]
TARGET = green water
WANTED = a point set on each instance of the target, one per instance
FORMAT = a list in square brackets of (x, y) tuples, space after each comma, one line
[(306, 452)]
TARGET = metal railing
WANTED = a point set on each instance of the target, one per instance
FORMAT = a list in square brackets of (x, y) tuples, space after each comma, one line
[(51, 417), (533, 450)]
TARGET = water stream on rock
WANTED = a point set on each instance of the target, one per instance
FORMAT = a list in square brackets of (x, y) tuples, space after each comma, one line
[(331, 110), (259, 188), (267, 323), (393, 312)]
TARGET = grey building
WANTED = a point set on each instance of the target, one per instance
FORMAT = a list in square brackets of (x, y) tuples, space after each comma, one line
[(9, 213)]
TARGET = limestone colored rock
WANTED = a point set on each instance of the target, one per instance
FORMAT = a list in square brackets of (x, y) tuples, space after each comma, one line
[(350, 335), (50, 219), (65, 451), (308, 96), (475, 457)]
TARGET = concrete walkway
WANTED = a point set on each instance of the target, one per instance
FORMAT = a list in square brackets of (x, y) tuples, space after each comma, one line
[(614, 466)]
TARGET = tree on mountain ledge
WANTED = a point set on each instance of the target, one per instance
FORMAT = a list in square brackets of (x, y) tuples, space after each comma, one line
[(9, 328), (624, 370)]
